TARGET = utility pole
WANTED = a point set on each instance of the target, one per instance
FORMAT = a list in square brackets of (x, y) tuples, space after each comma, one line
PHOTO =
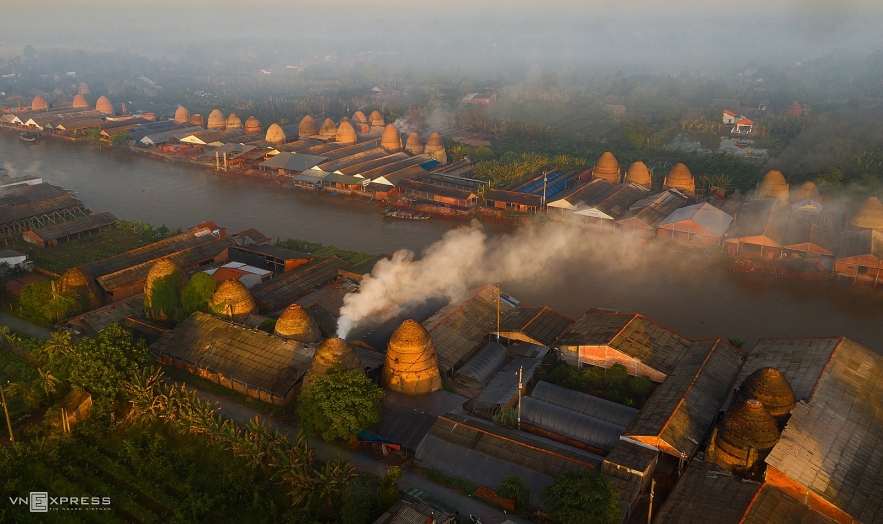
[(545, 179), (6, 411), (498, 314), (520, 386), (650, 509)]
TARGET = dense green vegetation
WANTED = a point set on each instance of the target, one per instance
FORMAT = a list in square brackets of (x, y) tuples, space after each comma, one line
[(158, 451), (44, 302), (514, 487), (164, 300), (339, 403), (198, 293), (321, 250), (614, 384), (584, 497)]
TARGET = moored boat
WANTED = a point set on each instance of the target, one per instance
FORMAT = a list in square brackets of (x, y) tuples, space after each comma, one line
[(403, 213)]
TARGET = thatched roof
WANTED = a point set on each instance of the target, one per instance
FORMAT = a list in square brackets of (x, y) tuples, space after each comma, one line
[(376, 119), (308, 126), (869, 214), (216, 119), (808, 191), (233, 301), (236, 356), (639, 174), (680, 178), (328, 129), (80, 102), (104, 105), (234, 122), (295, 323), (360, 117), (252, 125), (275, 134), (39, 104), (161, 269), (747, 434), (607, 168), (331, 352), (413, 144), (182, 115), (411, 366), (772, 185), (771, 388), (346, 133)]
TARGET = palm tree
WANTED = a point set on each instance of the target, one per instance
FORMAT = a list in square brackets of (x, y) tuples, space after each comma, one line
[(30, 395), (330, 482), (56, 353), (45, 382)]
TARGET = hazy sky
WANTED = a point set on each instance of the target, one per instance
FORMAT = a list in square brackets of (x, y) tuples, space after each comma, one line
[(634, 34)]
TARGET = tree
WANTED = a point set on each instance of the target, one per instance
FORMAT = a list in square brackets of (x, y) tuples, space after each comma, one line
[(45, 302), (120, 139), (104, 365), (339, 403), (198, 293), (583, 497), (514, 487)]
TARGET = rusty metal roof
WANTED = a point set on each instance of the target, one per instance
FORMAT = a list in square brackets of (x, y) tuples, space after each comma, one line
[(686, 404), (281, 291), (77, 225)]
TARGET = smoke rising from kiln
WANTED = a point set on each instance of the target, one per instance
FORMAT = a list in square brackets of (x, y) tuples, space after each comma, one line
[(465, 258)]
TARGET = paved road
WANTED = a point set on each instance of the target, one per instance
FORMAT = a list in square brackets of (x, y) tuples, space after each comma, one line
[(323, 451), (24, 327)]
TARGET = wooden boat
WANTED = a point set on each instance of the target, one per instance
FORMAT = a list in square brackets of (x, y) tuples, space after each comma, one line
[(28, 137), (402, 213)]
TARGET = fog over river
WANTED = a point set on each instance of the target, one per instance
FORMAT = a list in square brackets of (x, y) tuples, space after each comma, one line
[(686, 292)]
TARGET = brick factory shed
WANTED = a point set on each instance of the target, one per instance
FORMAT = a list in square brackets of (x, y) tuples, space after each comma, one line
[(250, 362), (696, 224), (70, 230)]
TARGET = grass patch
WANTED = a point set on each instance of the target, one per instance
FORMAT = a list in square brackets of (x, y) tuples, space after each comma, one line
[(62, 257), (614, 384), (321, 250), (462, 485), (286, 414)]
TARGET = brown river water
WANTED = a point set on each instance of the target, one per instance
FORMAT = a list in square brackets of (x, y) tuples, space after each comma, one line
[(687, 292)]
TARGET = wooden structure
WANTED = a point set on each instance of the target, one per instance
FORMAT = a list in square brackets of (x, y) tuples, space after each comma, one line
[(70, 230), (512, 201), (25, 216), (459, 329), (646, 214), (759, 229), (440, 194), (697, 224)]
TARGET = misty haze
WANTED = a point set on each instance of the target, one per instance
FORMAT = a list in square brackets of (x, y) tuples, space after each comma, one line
[(452, 262)]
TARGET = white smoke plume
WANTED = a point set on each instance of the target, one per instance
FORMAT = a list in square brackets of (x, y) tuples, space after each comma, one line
[(465, 258)]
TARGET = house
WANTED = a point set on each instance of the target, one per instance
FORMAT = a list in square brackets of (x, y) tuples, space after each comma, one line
[(641, 345), (250, 276), (744, 126), (483, 98), (513, 201), (729, 117), (251, 362), (697, 224), (859, 256), (286, 163), (70, 230), (268, 257)]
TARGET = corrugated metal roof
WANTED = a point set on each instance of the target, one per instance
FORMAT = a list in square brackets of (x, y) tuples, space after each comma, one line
[(706, 215), (832, 443), (542, 324), (504, 385), (293, 161), (586, 404), (684, 407), (24, 193), (653, 209), (149, 252), (281, 291), (561, 421), (24, 210), (77, 225), (406, 420), (258, 359), (634, 335), (460, 327), (704, 494), (478, 369)]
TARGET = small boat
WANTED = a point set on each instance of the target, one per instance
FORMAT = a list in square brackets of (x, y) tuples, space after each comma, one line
[(28, 137), (402, 213), (332, 193)]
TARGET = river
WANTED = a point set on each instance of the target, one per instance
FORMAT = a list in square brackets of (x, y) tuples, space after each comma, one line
[(688, 292)]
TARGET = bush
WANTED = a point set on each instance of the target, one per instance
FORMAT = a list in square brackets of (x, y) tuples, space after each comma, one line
[(514, 487), (198, 292), (614, 384), (584, 497)]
